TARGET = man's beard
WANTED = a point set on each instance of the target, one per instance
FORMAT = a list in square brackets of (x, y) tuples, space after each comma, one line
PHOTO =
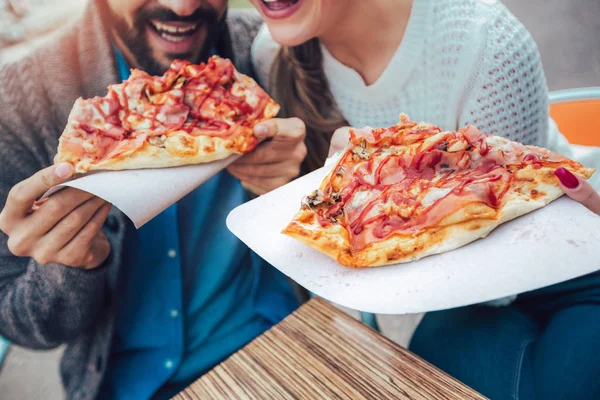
[(136, 38)]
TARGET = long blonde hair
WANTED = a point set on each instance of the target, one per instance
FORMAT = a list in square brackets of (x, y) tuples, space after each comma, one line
[(303, 91)]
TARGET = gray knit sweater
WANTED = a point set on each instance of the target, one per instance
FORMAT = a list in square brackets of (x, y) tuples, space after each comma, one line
[(44, 306)]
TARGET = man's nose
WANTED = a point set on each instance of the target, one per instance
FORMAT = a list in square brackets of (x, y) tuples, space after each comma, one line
[(181, 7)]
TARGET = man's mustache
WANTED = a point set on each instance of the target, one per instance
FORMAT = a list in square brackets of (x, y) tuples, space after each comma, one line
[(200, 16)]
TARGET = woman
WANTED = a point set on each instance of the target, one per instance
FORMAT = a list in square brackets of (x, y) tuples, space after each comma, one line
[(449, 62), (363, 62)]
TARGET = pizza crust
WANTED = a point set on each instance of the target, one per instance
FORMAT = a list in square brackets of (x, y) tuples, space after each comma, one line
[(462, 227), (179, 149), (91, 121)]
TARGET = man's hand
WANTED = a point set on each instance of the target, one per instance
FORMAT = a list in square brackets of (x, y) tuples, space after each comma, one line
[(275, 162), (65, 228)]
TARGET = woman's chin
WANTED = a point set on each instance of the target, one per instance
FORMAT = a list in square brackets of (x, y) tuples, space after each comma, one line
[(287, 36)]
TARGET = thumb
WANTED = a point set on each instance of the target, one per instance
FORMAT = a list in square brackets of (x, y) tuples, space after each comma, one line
[(578, 189), (23, 195), (281, 129), (339, 140), (98, 252)]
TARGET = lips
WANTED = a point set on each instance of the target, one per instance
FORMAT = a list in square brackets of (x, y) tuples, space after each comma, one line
[(279, 9), (278, 5)]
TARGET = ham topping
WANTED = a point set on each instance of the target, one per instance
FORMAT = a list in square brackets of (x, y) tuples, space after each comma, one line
[(386, 187), (194, 98)]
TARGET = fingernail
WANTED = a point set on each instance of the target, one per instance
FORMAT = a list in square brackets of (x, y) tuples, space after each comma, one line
[(261, 131), (567, 178), (64, 170)]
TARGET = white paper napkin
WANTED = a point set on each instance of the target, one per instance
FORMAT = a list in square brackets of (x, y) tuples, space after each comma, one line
[(145, 193)]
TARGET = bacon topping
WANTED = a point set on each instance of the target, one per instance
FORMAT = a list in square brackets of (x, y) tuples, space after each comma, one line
[(385, 175), (197, 99)]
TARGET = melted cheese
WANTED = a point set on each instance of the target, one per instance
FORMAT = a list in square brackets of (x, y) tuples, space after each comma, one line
[(89, 146), (501, 143), (239, 90), (433, 195), (360, 199)]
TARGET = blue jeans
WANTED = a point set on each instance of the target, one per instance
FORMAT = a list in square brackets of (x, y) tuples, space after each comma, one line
[(544, 346)]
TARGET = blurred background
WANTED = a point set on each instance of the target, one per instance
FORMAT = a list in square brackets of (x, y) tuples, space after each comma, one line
[(567, 34)]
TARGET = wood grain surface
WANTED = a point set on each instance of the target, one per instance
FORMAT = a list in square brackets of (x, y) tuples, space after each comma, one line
[(319, 352)]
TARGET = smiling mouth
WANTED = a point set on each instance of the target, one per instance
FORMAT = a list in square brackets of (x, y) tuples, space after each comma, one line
[(278, 5), (174, 32)]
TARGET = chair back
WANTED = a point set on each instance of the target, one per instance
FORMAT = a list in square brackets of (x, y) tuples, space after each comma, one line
[(577, 114)]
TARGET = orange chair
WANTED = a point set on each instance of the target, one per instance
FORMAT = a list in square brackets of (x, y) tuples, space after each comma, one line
[(577, 114)]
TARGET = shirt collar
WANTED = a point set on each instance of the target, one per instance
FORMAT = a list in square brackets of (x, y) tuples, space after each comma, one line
[(124, 69)]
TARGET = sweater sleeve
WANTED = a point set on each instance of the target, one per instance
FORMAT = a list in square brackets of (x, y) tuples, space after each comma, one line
[(41, 306), (507, 94)]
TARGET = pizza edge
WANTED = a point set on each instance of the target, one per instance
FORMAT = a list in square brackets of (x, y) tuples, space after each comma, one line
[(179, 148), (473, 223), (209, 148)]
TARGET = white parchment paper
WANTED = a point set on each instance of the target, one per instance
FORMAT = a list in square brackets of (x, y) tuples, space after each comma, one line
[(145, 193), (556, 243)]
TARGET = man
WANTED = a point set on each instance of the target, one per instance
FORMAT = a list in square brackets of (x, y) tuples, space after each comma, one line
[(143, 313)]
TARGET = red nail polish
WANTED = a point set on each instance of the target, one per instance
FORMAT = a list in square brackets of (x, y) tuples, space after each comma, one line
[(567, 178)]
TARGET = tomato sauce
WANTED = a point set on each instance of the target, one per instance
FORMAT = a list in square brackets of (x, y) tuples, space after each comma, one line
[(395, 185), (153, 106)]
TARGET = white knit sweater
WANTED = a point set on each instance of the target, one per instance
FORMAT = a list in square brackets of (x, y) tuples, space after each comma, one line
[(460, 62)]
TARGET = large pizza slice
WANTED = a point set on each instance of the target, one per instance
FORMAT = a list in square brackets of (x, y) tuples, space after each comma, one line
[(192, 114), (413, 190)]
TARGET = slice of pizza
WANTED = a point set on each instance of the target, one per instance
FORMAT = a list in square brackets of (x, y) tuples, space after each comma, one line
[(192, 114), (399, 194)]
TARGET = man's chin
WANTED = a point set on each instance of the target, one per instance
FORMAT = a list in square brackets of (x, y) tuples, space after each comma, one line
[(165, 60)]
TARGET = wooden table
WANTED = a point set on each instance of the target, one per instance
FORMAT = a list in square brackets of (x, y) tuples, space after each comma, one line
[(319, 352)]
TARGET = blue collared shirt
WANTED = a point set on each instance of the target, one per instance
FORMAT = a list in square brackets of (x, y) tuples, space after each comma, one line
[(189, 294)]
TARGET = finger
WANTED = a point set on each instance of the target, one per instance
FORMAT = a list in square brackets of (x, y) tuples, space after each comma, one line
[(79, 252), (240, 175), (68, 227), (274, 152), (286, 168), (265, 185), (579, 189), (261, 181), (253, 188), (339, 140), (281, 129), (99, 251), (22, 196), (265, 153), (57, 207)]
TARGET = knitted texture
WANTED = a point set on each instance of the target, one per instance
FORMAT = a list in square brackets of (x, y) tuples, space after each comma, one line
[(43, 306), (460, 62)]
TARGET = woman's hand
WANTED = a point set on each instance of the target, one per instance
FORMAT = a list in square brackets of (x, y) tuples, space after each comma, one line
[(578, 189), (339, 140)]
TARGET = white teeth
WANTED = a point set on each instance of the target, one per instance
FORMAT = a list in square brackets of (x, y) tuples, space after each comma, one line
[(172, 38), (173, 29), (188, 29)]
